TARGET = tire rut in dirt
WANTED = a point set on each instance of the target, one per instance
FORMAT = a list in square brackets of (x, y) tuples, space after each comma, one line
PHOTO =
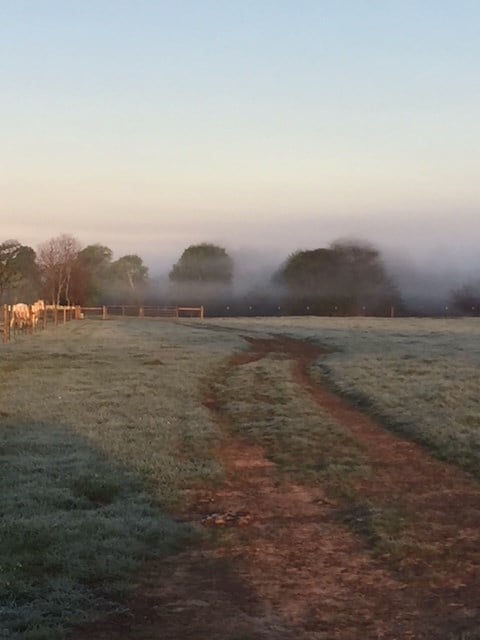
[(295, 570), (439, 570)]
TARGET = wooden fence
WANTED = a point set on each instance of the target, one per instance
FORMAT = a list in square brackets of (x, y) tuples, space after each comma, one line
[(54, 315), (141, 311)]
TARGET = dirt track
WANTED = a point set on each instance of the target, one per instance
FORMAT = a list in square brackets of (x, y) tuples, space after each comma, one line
[(288, 568)]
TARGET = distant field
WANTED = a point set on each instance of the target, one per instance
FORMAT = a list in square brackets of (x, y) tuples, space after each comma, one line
[(104, 433)]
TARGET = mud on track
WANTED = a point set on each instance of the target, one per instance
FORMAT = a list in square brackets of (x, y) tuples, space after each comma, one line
[(292, 569)]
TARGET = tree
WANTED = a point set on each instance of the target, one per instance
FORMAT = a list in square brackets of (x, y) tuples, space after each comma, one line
[(309, 271), (90, 274), (362, 277), (466, 299), (28, 283), (345, 278), (18, 271), (8, 251), (206, 263), (56, 259), (128, 276)]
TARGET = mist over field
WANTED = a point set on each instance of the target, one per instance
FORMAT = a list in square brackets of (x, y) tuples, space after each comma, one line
[(427, 253), (426, 276)]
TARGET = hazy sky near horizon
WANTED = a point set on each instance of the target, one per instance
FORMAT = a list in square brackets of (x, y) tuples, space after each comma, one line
[(263, 125)]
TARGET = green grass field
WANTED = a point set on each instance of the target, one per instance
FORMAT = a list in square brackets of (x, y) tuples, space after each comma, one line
[(103, 429), (420, 376)]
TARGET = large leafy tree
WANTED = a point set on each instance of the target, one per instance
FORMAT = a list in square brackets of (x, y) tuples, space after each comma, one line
[(203, 263), (362, 277), (19, 276), (90, 274), (9, 250), (310, 271), (28, 283), (346, 277), (128, 279)]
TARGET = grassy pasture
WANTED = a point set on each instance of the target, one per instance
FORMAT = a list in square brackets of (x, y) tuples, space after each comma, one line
[(420, 376), (102, 428), (266, 406)]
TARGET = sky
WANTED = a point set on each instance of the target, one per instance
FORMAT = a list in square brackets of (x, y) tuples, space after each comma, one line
[(265, 126)]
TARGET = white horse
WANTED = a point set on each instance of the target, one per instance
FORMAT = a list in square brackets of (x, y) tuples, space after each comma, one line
[(37, 307), (20, 317), (24, 315)]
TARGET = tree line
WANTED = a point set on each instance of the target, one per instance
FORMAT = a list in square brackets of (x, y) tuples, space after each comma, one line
[(62, 272), (344, 278)]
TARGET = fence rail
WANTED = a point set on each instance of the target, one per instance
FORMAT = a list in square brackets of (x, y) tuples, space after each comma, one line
[(141, 311), (61, 314), (50, 315)]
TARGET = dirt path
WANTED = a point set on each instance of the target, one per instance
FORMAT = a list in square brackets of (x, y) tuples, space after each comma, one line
[(280, 564)]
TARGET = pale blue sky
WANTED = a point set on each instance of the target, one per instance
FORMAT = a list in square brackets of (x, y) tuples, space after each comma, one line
[(149, 125)]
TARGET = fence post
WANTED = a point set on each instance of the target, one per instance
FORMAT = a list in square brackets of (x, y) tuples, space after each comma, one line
[(202, 312), (104, 312), (6, 323), (55, 315), (30, 319), (140, 312), (392, 312)]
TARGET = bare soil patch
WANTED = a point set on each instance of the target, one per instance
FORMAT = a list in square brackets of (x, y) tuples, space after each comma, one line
[(280, 563)]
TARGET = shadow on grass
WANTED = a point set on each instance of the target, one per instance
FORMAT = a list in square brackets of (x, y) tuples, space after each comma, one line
[(74, 527)]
